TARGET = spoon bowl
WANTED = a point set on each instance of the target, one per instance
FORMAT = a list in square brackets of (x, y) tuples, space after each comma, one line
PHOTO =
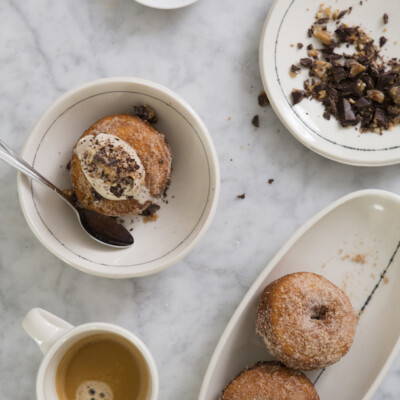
[(105, 230)]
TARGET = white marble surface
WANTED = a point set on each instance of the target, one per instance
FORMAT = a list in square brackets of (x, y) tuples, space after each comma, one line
[(207, 53)]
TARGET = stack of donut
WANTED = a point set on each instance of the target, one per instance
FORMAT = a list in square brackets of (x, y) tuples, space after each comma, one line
[(306, 323)]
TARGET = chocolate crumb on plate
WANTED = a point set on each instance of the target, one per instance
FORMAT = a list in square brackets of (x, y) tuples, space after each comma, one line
[(263, 99), (382, 41), (256, 121), (270, 181), (299, 45), (241, 196), (385, 18)]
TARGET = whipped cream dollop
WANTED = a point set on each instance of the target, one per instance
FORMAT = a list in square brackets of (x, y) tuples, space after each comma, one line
[(113, 167)]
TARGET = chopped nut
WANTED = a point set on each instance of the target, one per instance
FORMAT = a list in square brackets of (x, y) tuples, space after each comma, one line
[(324, 36), (376, 95), (321, 68), (395, 93), (312, 53), (360, 86), (335, 14), (356, 68), (327, 11)]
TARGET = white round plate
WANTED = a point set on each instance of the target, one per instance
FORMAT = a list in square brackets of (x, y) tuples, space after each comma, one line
[(166, 4), (354, 243), (286, 25), (192, 196)]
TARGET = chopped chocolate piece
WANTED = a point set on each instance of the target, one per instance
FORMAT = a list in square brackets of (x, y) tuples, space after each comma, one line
[(241, 196), (346, 114), (327, 115), (367, 80), (385, 18), (270, 181), (306, 62), (150, 210), (380, 116), (342, 14), (294, 68), (339, 74), (256, 121), (263, 99), (299, 45), (362, 102), (322, 21), (297, 96), (382, 41), (310, 32), (145, 113), (96, 196)]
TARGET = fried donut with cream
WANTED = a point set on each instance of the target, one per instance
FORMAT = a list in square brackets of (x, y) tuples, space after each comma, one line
[(267, 381), (306, 321), (120, 166)]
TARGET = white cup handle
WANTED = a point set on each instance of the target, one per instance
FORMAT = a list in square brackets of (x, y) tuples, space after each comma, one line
[(44, 328)]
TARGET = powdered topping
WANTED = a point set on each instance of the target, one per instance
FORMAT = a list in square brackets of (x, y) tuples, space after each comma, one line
[(306, 321), (112, 167)]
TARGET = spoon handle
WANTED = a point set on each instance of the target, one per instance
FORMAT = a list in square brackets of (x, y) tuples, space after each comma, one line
[(12, 158)]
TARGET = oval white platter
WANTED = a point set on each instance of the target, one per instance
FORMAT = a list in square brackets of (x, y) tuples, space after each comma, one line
[(354, 243), (286, 25)]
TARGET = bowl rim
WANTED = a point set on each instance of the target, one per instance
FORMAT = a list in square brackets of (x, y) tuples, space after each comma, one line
[(172, 4), (214, 171)]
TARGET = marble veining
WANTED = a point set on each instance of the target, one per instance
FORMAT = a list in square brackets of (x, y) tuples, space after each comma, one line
[(207, 53)]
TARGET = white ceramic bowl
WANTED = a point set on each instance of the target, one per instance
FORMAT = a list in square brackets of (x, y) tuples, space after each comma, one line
[(166, 4), (285, 26), (192, 195)]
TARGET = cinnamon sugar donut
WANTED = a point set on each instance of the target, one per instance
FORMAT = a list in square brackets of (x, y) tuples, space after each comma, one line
[(151, 163), (267, 381), (306, 321)]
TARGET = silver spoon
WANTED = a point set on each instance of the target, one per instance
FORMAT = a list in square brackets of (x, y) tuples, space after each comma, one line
[(103, 229)]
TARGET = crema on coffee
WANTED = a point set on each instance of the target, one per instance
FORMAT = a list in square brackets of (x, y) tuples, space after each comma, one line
[(102, 366)]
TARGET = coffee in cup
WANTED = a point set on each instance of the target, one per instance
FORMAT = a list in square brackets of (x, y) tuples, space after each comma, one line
[(103, 366)]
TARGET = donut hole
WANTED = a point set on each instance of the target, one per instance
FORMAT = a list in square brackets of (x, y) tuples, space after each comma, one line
[(319, 312)]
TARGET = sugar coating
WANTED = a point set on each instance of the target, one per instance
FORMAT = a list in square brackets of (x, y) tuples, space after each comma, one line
[(306, 321), (94, 390), (267, 381)]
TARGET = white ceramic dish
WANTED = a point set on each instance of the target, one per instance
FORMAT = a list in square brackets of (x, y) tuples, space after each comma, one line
[(166, 4), (287, 25), (364, 224), (192, 195)]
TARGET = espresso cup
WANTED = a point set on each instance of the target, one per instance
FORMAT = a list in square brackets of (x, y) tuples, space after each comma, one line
[(55, 337)]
